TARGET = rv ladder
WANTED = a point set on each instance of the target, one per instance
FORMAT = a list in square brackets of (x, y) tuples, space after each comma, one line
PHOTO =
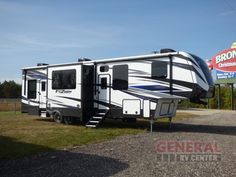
[(96, 119)]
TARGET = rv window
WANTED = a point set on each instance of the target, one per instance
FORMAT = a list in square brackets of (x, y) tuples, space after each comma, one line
[(64, 79), (104, 68), (104, 83), (159, 69), (32, 89), (43, 86), (120, 77)]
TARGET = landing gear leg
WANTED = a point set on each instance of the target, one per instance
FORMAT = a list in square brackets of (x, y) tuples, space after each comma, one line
[(151, 124), (170, 119)]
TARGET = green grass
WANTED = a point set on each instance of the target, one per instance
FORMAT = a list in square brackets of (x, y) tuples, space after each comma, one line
[(22, 134)]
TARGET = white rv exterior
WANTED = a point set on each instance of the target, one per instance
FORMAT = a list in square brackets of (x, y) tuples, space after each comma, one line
[(34, 90), (129, 87)]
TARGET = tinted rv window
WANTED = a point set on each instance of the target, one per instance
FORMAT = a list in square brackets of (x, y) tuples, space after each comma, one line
[(32, 89), (104, 83), (64, 79), (104, 68), (120, 77), (159, 69), (43, 86)]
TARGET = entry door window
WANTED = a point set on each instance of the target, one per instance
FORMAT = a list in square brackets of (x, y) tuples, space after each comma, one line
[(104, 83), (43, 86)]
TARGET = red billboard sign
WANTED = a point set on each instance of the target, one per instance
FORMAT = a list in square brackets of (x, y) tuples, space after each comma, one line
[(225, 60)]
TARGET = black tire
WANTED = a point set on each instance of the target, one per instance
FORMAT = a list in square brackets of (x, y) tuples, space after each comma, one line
[(48, 115), (132, 120), (57, 117), (129, 120)]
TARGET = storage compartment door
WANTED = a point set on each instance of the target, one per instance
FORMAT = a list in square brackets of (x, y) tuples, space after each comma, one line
[(166, 108), (131, 107)]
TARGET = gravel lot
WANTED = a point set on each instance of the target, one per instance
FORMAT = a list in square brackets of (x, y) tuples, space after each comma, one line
[(135, 155)]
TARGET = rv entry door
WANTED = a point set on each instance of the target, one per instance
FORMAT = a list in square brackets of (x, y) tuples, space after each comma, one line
[(104, 91), (42, 94)]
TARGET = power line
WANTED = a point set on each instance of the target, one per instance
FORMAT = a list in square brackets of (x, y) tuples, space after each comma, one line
[(229, 5)]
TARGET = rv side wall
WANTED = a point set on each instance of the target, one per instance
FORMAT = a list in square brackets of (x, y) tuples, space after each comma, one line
[(64, 90)]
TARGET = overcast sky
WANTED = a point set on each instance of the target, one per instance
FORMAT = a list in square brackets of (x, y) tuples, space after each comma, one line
[(63, 31)]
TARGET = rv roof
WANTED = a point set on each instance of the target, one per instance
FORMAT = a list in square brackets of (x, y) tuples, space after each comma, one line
[(139, 57)]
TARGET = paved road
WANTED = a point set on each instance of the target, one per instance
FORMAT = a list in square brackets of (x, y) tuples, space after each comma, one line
[(140, 155)]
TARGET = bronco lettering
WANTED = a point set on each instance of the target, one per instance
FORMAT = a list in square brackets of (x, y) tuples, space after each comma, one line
[(226, 56)]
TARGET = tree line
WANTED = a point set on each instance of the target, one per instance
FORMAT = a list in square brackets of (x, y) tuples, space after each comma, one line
[(10, 89), (225, 96)]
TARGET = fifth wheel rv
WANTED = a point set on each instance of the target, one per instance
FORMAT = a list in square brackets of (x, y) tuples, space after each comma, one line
[(148, 86)]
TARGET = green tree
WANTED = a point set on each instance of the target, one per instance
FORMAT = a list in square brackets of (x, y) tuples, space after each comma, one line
[(10, 89), (1, 92), (225, 97)]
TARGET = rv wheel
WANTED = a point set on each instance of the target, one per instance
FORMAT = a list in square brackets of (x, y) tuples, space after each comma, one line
[(57, 117)]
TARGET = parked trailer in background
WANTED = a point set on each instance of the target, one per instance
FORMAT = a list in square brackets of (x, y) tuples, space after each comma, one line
[(147, 86)]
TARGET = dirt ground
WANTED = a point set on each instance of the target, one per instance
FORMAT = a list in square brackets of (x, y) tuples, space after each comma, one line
[(142, 155)]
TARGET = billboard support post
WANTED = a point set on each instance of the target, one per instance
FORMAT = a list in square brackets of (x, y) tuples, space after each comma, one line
[(218, 96), (232, 96)]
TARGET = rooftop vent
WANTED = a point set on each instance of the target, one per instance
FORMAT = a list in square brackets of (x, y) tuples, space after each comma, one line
[(155, 52), (84, 59), (42, 64), (167, 50)]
